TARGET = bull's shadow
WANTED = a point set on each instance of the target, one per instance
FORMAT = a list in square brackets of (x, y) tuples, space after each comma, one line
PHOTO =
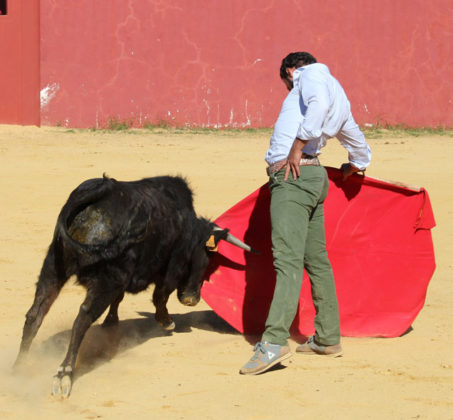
[(102, 344)]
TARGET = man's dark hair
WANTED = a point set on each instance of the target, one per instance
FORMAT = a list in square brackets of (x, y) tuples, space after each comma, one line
[(295, 59)]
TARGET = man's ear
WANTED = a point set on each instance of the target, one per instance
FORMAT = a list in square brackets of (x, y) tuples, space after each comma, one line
[(289, 72)]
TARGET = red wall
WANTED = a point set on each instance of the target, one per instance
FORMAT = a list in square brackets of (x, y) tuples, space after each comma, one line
[(215, 63), (19, 63)]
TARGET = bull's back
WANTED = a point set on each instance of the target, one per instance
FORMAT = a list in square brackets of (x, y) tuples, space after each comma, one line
[(103, 217), (174, 189)]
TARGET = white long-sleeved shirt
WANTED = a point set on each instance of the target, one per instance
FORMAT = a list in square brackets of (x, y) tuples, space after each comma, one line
[(315, 110)]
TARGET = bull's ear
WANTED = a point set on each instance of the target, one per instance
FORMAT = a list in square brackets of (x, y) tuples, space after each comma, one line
[(216, 236)]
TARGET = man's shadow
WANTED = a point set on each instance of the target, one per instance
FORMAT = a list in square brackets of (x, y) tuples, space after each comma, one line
[(351, 187)]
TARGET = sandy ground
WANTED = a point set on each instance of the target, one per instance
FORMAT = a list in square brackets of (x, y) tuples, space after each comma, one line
[(137, 371)]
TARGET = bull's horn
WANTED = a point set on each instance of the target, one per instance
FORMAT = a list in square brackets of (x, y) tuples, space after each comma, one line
[(235, 241)]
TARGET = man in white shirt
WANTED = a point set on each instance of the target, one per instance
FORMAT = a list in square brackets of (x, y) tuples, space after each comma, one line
[(315, 110)]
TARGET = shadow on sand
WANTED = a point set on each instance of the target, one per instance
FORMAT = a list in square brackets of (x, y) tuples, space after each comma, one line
[(102, 344)]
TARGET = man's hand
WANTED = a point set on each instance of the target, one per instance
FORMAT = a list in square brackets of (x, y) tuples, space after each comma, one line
[(294, 157), (348, 169)]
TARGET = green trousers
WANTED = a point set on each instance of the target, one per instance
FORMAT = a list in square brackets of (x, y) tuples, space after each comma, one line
[(298, 242)]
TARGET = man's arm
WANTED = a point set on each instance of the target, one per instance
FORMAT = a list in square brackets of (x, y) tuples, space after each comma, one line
[(316, 95), (294, 157), (359, 153)]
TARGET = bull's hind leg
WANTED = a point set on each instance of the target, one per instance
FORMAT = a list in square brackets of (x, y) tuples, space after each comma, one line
[(160, 299), (96, 302), (51, 280), (112, 316)]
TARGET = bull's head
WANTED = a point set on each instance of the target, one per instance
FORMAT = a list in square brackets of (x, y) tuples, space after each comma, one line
[(189, 293)]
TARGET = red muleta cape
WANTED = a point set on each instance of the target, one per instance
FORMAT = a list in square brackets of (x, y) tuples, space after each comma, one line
[(379, 244)]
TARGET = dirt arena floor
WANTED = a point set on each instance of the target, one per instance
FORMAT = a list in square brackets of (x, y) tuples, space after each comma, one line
[(137, 371)]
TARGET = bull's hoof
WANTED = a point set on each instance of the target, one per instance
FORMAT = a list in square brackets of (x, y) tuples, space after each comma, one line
[(169, 327), (165, 322), (62, 383), (19, 363)]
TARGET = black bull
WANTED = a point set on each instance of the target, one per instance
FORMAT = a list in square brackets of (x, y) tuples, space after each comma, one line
[(118, 237)]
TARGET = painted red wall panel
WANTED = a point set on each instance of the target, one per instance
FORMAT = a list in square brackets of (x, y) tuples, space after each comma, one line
[(19, 69), (216, 63)]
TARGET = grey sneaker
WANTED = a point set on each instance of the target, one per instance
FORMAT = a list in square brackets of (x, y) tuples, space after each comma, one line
[(311, 347), (266, 355)]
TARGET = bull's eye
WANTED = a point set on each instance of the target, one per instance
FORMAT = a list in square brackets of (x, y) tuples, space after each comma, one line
[(211, 244)]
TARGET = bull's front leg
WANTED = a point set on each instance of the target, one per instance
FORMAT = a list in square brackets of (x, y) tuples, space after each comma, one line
[(96, 302), (160, 299), (112, 317)]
